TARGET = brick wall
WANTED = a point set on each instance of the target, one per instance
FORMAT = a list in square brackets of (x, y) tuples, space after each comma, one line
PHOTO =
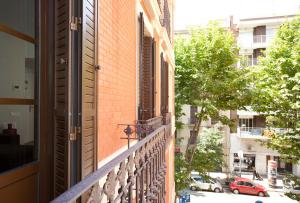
[(117, 77)]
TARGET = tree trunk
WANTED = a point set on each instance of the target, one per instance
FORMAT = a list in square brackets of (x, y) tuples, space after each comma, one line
[(190, 149)]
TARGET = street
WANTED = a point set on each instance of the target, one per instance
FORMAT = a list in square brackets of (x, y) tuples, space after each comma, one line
[(228, 197), (274, 195)]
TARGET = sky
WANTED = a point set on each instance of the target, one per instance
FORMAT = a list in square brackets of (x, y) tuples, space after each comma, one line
[(197, 12)]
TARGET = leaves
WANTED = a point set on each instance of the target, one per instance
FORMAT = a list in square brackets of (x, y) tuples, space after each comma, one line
[(206, 73), (276, 82), (206, 76), (208, 157)]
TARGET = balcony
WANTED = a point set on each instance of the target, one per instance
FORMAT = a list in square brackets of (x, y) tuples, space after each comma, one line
[(259, 132), (261, 41), (136, 175), (165, 18)]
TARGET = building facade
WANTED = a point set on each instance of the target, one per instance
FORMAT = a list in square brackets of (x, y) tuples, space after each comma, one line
[(254, 36), (87, 101)]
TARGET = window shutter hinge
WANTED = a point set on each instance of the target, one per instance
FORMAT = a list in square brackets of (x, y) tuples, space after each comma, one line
[(75, 23), (75, 132)]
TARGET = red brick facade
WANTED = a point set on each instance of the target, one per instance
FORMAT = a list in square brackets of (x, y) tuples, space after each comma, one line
[(118, 79)]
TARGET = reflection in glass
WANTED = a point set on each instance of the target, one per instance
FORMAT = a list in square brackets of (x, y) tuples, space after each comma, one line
[(17, 67), (16, 135), (18, 15), (17, 83)]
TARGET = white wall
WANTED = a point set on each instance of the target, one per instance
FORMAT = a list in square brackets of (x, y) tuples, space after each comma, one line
[(256, 148), (296, 169), (245, 38)]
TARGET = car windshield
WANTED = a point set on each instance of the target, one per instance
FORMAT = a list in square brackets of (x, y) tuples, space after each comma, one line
[(197, 178)]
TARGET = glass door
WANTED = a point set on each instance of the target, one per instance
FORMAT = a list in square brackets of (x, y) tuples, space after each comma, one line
[(18, 84)]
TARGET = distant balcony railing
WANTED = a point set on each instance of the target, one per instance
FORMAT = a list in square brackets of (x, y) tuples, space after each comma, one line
[(253, 131), (260, 131), (259, 38), (151, 124), (136, 175)]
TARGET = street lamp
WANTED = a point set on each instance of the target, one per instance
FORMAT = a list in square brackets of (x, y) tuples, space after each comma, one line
[(241, 156)]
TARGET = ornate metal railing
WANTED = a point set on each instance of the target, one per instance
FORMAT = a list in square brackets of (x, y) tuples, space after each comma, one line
[(165, 16), (167, 118), (136, 175), (148, 126)]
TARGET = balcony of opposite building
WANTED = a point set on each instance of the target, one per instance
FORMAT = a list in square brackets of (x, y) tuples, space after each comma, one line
[(259, 132)]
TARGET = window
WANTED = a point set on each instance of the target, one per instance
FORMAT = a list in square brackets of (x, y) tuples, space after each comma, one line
[(193, 137), (240, 183), (246, 61), (248, 184), (193, 111), (198, 179), (246, 122), (18, 83)]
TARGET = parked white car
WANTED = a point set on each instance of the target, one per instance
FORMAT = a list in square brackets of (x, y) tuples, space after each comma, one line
[(199, 183), (290, 187)]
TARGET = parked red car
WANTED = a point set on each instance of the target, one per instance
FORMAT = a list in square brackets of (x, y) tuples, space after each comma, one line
[(246, 186)]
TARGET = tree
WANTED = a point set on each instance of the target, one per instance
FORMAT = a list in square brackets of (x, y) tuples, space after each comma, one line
[(206, 75), (276, 82), (208, 157)]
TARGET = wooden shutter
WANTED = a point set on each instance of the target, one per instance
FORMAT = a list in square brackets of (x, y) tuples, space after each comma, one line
[(164, 82), (166, 67), (62, 96), (141, 43), (162, 85), (89, 113), (147, 79), (152, 93)]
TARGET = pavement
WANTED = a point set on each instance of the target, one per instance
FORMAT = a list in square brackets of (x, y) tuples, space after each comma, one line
[(275, 195)]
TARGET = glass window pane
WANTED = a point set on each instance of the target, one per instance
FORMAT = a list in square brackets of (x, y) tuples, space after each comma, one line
[(17, 84), (16, 136), (17, 67), (18, 15)]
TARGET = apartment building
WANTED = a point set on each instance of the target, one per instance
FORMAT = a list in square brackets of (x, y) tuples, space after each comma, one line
[(87, 101), (254, 36)]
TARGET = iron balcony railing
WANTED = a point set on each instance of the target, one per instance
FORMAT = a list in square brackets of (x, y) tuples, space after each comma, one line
[(260, 131), (165, 18), (167, 117), (148, 126), (259, 38), (136, 175)]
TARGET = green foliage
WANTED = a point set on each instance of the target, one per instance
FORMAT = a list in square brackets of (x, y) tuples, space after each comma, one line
[(206, 76), (276, 82), (209, 152), (206, 73), (181, 173), (208, 157), (291, 179)]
